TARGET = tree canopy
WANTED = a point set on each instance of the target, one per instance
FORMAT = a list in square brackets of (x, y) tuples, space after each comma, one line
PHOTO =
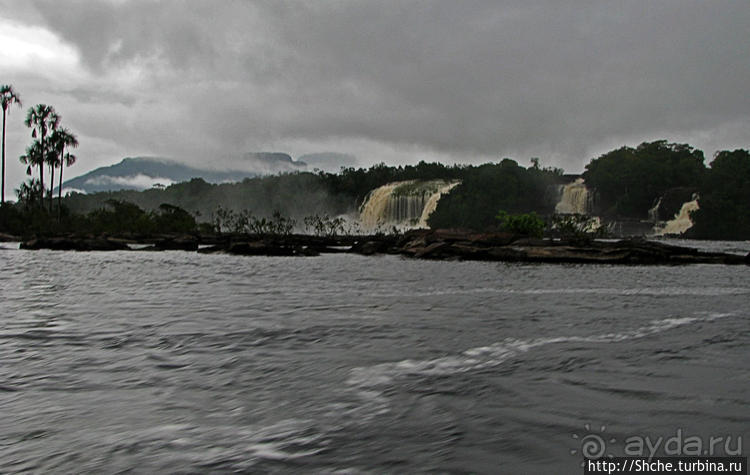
[(724, 198), (627, 181), (487, 188)]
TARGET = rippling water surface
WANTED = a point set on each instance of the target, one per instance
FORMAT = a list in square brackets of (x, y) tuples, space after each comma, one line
[(181, 362)]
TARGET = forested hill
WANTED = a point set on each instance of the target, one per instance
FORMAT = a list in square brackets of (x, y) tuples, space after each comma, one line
[(141, 173), (628, 182)]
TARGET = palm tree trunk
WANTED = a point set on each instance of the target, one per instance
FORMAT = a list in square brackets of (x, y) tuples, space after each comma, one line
[(59, 188), (41, 168), (2, 202), (41, 181), (51, 184)]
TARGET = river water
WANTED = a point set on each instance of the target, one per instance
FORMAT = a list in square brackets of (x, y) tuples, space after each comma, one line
[(180, 362)]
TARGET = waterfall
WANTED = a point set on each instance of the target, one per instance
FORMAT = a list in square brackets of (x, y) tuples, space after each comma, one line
[(378, 205), (403, 204), (432, 203), (653, 213), (681, 221), (575, 199)]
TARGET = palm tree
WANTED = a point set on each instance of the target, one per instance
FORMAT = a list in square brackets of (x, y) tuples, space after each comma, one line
[(68, 160), (8, 97), (53, 160), (32, 157), (42, 119), (61, 138), (28, 192)]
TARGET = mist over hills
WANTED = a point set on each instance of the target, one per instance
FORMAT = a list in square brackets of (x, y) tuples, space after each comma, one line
[(328, 161), (141, 173)]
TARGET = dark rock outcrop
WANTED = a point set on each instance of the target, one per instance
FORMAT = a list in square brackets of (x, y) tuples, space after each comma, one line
[(452, 244), (217, 248), (259, 248), (178, 243), (268, 248), (421, 244), (7, 237), (369, 247), (75, 244)]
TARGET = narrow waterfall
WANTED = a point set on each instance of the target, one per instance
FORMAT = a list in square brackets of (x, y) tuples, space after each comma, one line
[(653, 213), (404, 204), (681, 221), (432, 203), (575, 199)]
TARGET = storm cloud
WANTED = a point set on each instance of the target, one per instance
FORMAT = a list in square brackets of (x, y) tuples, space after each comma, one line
[(387, 80)]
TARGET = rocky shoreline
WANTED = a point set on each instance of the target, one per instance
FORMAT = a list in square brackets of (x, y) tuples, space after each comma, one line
[(418, 244), (502, 247)]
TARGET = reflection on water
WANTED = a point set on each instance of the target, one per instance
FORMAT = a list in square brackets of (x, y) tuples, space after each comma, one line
[(185, 362)]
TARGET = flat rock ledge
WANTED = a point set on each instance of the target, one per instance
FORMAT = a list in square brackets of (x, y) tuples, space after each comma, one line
[(439, 244), (8, 238), (442, 244), (260, 248), (76, 244)]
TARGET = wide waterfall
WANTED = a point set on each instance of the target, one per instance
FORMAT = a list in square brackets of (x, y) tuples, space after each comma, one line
[(575, 199), (403, 204), (681, 221)]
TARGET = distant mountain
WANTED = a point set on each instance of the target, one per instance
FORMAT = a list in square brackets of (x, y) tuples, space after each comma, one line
[(328, 161), (141, 173), (265, 163)]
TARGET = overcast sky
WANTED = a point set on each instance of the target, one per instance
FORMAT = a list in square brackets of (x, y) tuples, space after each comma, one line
[(204, 81)]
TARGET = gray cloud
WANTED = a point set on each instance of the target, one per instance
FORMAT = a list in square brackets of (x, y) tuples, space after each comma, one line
[(469, 80), (139, 181)]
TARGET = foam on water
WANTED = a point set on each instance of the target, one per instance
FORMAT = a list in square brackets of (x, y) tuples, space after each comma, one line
[(371, 381), (659, 291), (230, 446)]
